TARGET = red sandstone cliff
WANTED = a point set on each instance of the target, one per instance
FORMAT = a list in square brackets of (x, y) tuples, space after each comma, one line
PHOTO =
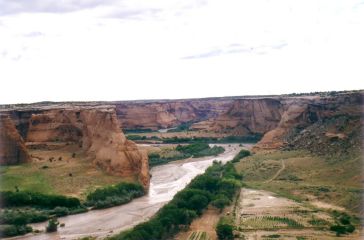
[(273, 117), (301, 113), (170, 113), (245, 117), (98, 132), (12, 147)]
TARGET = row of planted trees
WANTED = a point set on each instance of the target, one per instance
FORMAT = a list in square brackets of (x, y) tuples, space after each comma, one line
[(217, 186)]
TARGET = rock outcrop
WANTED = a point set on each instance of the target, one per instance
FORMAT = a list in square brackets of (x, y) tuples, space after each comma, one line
[(302, 113), (97, 132), (169, 113), (275, 117), (246, 117), (12, 147)]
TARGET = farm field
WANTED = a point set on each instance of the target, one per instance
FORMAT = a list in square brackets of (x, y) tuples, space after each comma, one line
[(264, 215)]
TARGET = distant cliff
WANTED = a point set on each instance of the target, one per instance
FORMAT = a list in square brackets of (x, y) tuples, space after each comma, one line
[(313, 123), (246, 117), (165, 114), (279, 119), (12, 147)]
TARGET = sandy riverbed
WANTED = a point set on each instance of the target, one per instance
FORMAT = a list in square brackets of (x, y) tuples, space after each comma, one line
[(166, 181)]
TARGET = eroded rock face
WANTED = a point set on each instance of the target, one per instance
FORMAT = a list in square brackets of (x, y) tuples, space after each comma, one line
[(245, 117), (301, 113), (12, 147), (165, 114), (97, 132)]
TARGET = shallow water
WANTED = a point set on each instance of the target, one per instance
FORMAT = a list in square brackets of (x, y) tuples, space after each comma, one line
[(166, 181)]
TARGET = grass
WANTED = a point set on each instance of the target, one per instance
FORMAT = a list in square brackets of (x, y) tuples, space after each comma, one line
[(306, 177), (270, 222), (318, 222), (15, 176), (56, 178)]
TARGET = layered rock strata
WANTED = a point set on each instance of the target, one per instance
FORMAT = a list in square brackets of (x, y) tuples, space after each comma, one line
[(97, 132), (12, 147)]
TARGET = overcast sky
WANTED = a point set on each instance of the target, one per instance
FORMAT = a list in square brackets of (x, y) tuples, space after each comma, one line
[(142, 49)]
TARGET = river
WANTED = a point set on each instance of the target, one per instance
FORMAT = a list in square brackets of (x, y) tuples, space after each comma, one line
[(166, 181)]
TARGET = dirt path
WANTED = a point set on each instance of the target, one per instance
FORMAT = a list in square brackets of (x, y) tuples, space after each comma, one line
[(277, 173)]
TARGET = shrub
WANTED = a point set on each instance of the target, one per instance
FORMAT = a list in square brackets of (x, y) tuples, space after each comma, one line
[(224, 231), (24, 198), (242, 154), (338, 229), (350, 228), (60, 211), (14, 230), (114, 195), (20, 217), (220, 202), (52, 225)]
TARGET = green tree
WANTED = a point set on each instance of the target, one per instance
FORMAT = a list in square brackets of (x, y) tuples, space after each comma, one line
[(224, 231), (52, 225), (220, 202)]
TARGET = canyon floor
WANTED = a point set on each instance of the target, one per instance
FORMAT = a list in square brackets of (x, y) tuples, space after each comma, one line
[(58, 170), (166, 181), (290, 195)]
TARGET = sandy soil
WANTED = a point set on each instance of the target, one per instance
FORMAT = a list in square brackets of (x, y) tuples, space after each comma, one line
[(205, 223), (166, 181), (254, 205)]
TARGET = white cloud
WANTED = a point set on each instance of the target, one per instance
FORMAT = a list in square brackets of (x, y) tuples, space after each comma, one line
[(126, 49)]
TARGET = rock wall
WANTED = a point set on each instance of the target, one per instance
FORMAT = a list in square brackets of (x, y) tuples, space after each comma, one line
[(12, 147), (273, 117), (301, 113), (165, 114), (97, 132), (246, 117)]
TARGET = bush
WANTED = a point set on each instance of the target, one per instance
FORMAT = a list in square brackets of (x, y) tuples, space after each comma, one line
[(22, 217), (242, 154), (114, 195), (24, 198), (220, 202), (136, 137), (52, 225), (156, 159), (60, 211), (191, 150), (14, 230), (338, 229), (224, 231)]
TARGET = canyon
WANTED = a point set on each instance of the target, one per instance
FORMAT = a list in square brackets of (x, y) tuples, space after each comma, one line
[(58, 135), (278, 119)]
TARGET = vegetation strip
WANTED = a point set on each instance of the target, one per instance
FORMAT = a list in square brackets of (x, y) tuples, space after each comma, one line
[(20, 208), (229, 139), (218, 186), (192, 150)]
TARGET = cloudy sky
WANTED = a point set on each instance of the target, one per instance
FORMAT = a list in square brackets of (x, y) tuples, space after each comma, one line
[(141, 49)]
